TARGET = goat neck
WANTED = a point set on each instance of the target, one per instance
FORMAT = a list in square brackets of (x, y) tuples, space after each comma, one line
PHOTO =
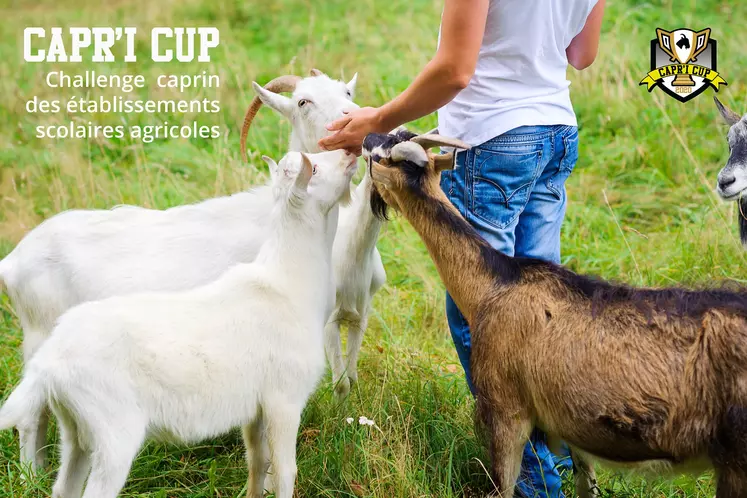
[(299, 143), (366, 226), (469, 267), (301, 245)]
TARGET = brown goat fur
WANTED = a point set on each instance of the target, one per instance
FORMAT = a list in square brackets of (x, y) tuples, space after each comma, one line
[(628, 376)]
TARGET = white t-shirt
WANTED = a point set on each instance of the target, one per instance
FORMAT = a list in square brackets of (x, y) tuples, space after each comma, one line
[(520, 78)]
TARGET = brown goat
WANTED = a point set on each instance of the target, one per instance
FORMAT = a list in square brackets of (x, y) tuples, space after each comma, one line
[(628, 376)]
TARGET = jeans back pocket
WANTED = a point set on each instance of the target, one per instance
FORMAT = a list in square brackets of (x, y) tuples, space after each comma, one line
[(502, 180)]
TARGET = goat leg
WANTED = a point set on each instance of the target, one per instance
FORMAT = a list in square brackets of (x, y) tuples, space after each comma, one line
[(75, 463), (355, 340), (257, 456), (732, 483), (33, 432), (508, 437), (333, 350), (584, 476), (283, 419)]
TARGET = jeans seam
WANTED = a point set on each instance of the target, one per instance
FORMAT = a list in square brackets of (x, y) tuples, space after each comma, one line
[(552, 144), (468, 179), (513, 139), (451, 174)]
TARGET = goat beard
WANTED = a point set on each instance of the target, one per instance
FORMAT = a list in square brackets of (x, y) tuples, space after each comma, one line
[(379, 207), (742, 214)]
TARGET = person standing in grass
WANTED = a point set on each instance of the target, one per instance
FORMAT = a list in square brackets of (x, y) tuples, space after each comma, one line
[(498, 81)]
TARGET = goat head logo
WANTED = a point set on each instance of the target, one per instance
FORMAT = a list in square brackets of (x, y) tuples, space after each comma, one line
[(683, 63)]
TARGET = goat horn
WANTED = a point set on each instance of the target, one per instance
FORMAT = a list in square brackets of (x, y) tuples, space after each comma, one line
[(316, 72), (428, 141), (306, 160), (285, 83), (729, 116), (409, 151)]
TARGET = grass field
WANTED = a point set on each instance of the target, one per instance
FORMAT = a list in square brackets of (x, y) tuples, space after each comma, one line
[(642, 210)]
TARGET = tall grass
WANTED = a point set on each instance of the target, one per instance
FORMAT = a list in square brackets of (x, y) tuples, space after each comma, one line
[(641, 210)]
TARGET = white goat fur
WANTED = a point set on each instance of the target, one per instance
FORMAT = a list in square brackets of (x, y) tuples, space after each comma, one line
[(245, 350), (358, 269), (80, 256), (316, 102), (359, 273)]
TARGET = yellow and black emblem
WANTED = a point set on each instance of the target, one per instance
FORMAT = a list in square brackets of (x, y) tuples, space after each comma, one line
[(683, 63)]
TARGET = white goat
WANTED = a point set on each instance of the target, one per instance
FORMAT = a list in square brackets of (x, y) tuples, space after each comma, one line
[(315, 102), (358, 269), (80, 256), (359, 273), (246, 350)]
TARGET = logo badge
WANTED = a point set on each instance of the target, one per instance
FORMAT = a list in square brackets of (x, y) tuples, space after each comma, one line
[(683, 63)]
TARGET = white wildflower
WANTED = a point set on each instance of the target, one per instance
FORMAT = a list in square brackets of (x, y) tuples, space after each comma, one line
[(366, 421)]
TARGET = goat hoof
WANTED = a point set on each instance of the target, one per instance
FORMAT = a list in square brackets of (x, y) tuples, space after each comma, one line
[(342, 389), (353, 378)]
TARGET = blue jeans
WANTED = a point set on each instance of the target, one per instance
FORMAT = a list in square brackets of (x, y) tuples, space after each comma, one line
[(512, 190)]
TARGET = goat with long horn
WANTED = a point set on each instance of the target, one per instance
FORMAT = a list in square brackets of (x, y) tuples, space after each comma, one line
[(315, 101), (286, 83)]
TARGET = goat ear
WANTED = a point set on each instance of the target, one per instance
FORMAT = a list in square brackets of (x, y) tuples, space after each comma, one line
[(729, 116), (409, 151), (272, 165), (280, 103), (443, 161), (304, 175), (351, 85)]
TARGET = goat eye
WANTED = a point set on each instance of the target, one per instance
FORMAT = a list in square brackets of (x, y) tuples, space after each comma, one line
[(349, 94), (313, 170), (302, 102)]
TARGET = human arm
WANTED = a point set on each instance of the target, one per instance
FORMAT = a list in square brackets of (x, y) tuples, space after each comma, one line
[(583, 48), (450, 70)]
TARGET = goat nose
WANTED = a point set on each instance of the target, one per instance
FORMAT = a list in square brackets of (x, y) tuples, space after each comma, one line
[(349, 159), (726, 180)]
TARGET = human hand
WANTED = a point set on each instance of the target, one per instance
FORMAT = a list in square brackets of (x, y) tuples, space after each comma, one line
[(351, 129)]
